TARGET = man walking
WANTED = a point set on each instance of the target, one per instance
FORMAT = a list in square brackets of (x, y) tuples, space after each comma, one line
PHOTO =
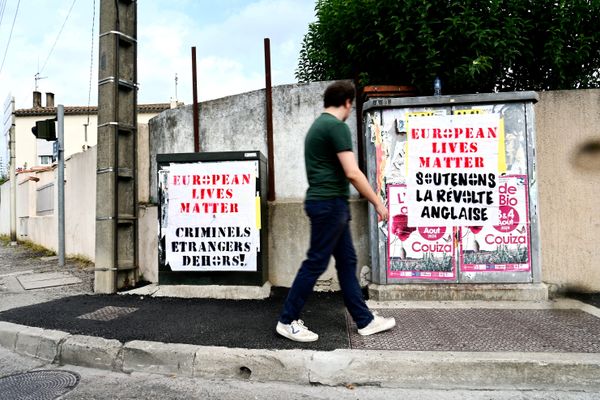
[(330, 165)]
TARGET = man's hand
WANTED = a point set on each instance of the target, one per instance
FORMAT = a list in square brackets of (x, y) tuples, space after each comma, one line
[(360, 182), (382, 212)]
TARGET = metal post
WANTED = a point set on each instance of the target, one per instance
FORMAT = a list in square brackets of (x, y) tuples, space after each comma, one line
[(269, 115), (13, 178), (195, 104), (60, 115), (359, 125)]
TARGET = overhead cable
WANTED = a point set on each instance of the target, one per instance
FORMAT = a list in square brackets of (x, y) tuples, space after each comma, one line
[(58, 36), (10, 36)]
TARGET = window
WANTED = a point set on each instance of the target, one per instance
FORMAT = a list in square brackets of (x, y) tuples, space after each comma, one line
[(45, 200), (45, 160)]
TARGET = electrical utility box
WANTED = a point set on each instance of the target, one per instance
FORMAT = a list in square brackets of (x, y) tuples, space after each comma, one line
[(212, 218), (458, 175)]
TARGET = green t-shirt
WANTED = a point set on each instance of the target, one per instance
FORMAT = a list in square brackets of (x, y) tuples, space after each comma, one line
[(326, 137)]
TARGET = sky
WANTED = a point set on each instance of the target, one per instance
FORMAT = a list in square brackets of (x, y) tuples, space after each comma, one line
[(228, 36)]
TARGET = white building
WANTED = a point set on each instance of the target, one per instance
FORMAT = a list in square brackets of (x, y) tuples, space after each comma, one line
[(80, 130)]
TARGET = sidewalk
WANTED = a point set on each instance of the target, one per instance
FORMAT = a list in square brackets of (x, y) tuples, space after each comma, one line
[(436, 344)]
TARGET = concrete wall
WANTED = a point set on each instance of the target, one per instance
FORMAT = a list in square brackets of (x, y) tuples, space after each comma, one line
[(566, 121), (569, 178), (289, 233), (238, 123)]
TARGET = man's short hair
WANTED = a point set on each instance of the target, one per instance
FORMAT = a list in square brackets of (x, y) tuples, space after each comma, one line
[(337, 93)]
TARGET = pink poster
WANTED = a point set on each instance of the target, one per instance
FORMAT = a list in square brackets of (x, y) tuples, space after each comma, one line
[(417, 253), (502, 247)]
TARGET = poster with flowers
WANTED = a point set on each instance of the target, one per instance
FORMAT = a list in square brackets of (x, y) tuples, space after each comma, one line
[(417, 253), (505, 246)]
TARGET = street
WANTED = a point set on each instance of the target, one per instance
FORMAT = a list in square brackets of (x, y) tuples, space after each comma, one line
[(101, 384)]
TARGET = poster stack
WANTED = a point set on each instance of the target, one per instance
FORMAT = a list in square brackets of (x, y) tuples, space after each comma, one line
[(451, 204)]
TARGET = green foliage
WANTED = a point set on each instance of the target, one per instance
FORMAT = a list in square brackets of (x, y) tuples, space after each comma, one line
[(473, 45)]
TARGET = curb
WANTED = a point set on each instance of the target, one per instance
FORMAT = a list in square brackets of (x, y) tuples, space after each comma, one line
[(577, 371)]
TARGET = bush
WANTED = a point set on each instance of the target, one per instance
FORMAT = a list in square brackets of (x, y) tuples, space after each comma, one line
[(473, 46)]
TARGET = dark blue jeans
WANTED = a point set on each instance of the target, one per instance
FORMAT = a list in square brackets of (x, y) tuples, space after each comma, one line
[(329, 235)]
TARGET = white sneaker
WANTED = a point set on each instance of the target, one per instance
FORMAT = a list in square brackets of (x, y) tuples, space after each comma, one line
[(379, 324), (296, 331)]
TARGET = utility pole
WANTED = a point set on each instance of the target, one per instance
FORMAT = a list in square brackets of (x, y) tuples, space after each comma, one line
[(13, 178), (60, 119), (116, 172)]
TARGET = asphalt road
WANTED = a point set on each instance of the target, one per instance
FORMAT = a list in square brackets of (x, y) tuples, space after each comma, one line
[(100, 385)]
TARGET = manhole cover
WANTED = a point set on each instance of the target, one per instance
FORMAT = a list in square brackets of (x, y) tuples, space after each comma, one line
[(108, 313), (38, 385)]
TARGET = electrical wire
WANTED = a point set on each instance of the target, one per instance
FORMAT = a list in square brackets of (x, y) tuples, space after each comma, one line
[(10, 36), (58, 36), (91, 62), (2, 8)]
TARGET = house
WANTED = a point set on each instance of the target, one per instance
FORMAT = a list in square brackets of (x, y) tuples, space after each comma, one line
[(80, 130), (35, 193)]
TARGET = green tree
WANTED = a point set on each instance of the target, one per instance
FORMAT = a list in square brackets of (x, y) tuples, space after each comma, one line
[(472, 45)]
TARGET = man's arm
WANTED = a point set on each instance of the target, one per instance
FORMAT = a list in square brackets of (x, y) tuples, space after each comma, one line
[(360, 182)]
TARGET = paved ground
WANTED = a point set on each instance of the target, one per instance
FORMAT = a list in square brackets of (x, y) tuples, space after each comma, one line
[(229, 323), (16, 261), (531, 345), (249, 323)]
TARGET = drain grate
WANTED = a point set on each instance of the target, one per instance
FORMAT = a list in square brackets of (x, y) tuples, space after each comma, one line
[(38, 385), (484, 330), (108, 313)]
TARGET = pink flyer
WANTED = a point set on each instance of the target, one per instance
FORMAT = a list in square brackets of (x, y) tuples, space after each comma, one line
[(502, 247), (417, 253)]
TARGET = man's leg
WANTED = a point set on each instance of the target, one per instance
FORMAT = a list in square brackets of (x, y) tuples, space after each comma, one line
[(327, 224), (345, 264)]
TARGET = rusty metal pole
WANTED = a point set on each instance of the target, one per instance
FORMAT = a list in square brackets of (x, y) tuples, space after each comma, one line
[(269, 116), (359, 125), (195, 105)]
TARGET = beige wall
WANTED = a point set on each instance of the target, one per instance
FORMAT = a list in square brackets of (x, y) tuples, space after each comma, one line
[(148, 244), (568, 192), (80, 205), (41, 230), (5, 209)]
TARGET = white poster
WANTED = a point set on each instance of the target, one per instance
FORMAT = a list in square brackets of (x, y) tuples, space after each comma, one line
[(453, 170), (213, 216)]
